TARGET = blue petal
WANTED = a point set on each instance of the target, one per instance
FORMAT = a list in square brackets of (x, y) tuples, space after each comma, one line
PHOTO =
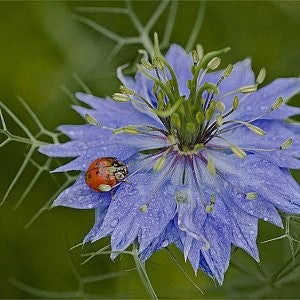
[(244, 229), (81, 196), (218, 255), (167, 237), (277, 132), (112, 113), (100, 213), (242, 75), (256, 174), (181, 63), (84, 132), (260, 208), (260, 102), (82, 162), (124, 220)]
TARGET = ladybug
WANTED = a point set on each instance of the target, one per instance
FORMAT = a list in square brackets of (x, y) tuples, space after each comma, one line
[(104, 173)]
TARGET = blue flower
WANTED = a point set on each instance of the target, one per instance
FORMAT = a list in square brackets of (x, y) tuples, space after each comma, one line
[(208, 154)]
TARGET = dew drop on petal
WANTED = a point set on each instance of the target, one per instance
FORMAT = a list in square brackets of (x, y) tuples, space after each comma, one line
[(114, 223), (165, 243)]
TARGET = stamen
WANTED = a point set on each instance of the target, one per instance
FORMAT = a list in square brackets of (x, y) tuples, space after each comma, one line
[(286, 144), (277, 103), (205, 161), (200, 51), (91, 120), (219, 120), (248, 89), (251, 195), (235, 149), (214, 63), (126, 129), (195, 57), (228, 71), (161, 181), (160, 162), (211, 165), (121, 97), (244, 90), (210, 208), (180, 197), (127, 91), (146, 64), (235, 103), (143, 208), (255, 129), (261, 76)]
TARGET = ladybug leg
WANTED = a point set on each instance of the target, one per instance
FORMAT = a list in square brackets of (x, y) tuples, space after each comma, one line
[(126, 181), (112, 194)]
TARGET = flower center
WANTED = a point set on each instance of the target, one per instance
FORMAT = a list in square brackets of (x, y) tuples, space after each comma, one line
[(193, 122)]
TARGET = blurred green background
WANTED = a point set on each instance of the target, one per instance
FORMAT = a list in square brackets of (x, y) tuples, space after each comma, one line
[(45, 52)]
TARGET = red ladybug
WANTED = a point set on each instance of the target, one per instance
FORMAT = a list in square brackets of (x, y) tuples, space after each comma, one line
[(104, 173)]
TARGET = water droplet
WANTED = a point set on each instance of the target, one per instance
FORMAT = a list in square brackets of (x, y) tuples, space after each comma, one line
[(165, 243), (266, 219), (251, 232), (114, 223)]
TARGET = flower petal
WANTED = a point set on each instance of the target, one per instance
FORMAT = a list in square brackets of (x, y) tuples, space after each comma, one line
[(113, 114), (81, 196), (82, 162), (100, 213), (167, 237), (277, 132), (260, 102), (241, 75), (181, 63), (124, 220), (256, 174), (218, 255), (244, 229)]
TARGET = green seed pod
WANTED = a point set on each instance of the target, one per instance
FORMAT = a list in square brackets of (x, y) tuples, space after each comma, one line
[(200, 117), (220, 106), (176, 121), (198, 147), (190, 127)]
